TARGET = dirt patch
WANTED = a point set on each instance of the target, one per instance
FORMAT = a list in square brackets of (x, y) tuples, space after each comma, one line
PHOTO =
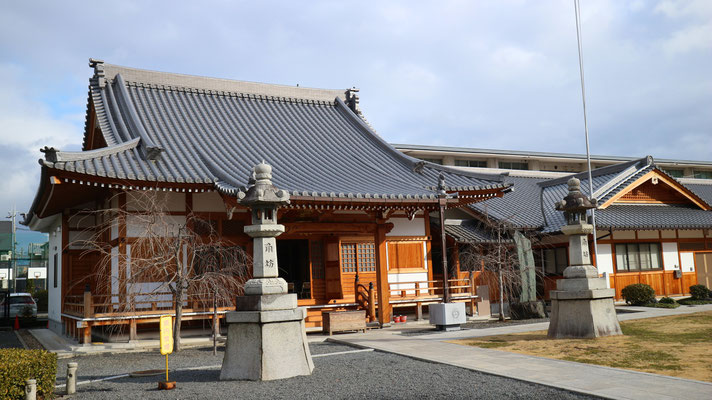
[(677, 346)]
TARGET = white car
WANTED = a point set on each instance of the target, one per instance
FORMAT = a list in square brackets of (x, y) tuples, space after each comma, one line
[(21, 305)]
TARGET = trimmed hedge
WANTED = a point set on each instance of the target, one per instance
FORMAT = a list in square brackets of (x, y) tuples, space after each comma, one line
[(638, 294), (699, 292), (18, 365)]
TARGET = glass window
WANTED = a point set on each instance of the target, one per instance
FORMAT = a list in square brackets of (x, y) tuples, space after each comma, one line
[(638, 256), (675, 173), (471, 163), (513, 165), (54, 275), (703, 174)]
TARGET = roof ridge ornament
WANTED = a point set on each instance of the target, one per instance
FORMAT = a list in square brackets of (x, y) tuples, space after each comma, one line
[(50, 153), (352, 100), (99, 74)]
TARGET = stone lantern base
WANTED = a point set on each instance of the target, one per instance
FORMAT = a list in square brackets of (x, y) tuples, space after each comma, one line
[(582, 307), (266, 340)]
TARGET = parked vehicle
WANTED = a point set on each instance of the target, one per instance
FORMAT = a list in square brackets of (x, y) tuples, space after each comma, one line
[(21, 305)]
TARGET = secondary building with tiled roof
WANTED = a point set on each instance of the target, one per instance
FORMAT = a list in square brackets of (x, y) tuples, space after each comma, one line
[(651, 227), (358, 206)]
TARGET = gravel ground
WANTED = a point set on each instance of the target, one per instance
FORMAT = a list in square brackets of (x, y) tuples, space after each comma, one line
[(356, 375), (8, 340), (30, 340)]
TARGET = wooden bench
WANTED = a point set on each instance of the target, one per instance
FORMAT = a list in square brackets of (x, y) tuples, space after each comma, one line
[(337, 321)]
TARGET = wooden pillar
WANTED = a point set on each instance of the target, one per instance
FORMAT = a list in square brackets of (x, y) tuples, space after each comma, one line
[(86, 334), (384, 295), (88, 304), (132, 330), (473, 291), (371, 303), (88, 313)]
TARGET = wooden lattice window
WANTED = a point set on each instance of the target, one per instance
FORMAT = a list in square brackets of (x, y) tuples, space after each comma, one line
[(366, 253), (360, 255), (317, 259)]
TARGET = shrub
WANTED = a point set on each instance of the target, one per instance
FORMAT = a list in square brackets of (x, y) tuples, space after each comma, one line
[(638, 294), (18, 365), (689, 302), (41, 297), (667, 300), (699, 292)]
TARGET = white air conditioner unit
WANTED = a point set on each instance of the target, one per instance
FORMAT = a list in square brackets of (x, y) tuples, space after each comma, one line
[(5, 257)]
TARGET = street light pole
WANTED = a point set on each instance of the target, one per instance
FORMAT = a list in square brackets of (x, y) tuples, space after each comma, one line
[(442, 201), (13, 259)]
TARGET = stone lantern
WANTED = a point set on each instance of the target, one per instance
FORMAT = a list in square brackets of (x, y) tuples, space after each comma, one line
[(582, 306), (266, 337)]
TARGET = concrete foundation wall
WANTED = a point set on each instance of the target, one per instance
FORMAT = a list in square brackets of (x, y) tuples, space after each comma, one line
[(604, 261), (54, 299), (406, 227)]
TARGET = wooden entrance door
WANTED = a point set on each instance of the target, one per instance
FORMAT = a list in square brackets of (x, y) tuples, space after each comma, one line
[(703, 266)]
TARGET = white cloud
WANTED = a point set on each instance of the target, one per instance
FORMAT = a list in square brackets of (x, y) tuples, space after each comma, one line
[(692, 38), (26, 125)]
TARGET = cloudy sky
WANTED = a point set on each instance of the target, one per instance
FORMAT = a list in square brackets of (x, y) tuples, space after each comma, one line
[(487, 74)]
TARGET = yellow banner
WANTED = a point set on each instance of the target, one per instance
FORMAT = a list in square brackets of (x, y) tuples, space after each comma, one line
[(166, 334)]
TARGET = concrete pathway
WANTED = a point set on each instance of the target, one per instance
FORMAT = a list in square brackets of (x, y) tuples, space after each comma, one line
[(583, 378), (67, 348)]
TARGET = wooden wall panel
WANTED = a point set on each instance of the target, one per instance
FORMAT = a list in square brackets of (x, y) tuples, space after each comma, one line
[(663, 282), (688, 279), (405, 255), (649, 193), (347, 281), (82, 270)]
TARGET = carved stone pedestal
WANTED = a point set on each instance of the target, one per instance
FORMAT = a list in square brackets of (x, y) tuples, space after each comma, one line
[(266, 345), (582, 307), (266, 336)]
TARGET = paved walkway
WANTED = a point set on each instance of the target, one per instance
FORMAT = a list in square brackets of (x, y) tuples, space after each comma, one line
[(584, 378), (9, 340)]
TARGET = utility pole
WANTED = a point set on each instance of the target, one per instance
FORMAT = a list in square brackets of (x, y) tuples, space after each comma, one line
[(13, 259)]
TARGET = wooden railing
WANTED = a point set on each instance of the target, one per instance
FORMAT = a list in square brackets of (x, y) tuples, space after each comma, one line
[(90, 305), (366, 298), (458, 288)]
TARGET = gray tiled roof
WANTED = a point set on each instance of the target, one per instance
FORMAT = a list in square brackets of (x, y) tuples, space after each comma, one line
[(468, 231), (521, 207), (652, 216), (702, 190), (185, 129), (531, 205)]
